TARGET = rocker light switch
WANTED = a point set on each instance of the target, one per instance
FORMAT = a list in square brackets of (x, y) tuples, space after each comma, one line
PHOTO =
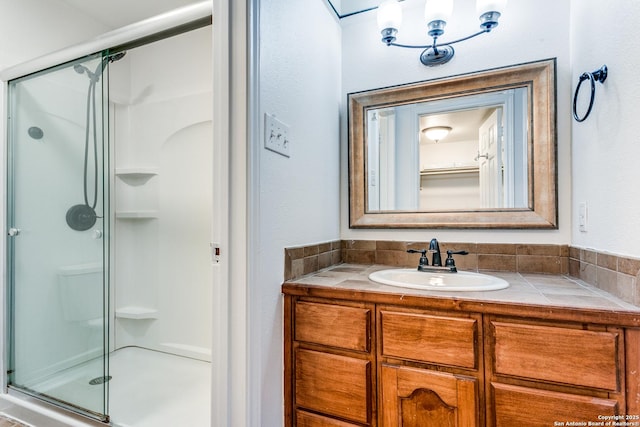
[(276, 135)]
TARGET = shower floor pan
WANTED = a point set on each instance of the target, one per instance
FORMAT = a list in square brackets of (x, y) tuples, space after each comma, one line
[(146, 388)]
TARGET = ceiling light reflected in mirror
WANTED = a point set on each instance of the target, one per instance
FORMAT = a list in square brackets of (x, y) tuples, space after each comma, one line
[(436, 133)]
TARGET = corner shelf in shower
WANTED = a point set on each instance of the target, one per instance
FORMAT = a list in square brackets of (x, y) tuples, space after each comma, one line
[(136, 176), (136, 313), (136, 214)]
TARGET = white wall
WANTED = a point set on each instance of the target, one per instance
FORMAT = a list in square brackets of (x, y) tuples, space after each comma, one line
[(31, 28), (162, 115), (529, 30), (447, 154), (295, 199), (606, 146)]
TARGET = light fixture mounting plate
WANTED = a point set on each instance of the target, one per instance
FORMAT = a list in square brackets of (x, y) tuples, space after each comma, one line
[(437, 56)]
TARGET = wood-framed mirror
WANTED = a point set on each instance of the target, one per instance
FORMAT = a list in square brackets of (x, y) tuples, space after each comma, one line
[(493, 167)]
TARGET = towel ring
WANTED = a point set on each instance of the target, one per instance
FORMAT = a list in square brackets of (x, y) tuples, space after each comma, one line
[(599, 75)]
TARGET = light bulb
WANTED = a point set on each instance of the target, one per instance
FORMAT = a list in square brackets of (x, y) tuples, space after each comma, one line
[(484, 6), (389, 15), (436, 133), (438, 10)]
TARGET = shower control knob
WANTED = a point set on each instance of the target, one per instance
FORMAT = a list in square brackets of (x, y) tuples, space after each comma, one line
[(97, 234), (13, 232)]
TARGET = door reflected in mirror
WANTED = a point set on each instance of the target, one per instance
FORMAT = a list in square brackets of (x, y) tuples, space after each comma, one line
[(468, 152)]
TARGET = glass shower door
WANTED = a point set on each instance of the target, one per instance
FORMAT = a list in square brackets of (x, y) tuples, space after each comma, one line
[(58, 236)]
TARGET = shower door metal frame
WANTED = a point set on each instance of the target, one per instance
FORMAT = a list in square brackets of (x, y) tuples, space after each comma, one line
[(9, 356)]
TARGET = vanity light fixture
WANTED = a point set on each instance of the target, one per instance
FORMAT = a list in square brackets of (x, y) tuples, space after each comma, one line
[(436, 133), (436, 14)]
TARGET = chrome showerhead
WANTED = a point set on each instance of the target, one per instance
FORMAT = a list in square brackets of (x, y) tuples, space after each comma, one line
[(117, 56), (80, 69), (105, 61), (95, 75)]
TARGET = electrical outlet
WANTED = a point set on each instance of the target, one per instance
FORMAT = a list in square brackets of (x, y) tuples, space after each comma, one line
[(582, 217), (276, 136)]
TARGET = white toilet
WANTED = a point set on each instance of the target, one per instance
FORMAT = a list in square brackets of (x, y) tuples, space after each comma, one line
[(81, 293)]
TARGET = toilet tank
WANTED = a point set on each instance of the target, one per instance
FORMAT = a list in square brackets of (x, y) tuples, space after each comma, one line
[(81, 291)]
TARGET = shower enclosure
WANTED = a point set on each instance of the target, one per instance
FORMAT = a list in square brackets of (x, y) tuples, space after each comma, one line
[(109, 220), (51, 169)]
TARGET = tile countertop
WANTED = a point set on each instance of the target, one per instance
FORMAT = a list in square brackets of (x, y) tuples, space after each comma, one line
[(548, 296)]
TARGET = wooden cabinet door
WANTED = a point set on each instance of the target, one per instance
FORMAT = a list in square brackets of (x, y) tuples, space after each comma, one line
[(333, 385), (413, 397), (308, 419), (544, 353), (515, 405)]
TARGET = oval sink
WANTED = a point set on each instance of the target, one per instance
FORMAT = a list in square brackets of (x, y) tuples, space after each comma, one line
[(436, 281)]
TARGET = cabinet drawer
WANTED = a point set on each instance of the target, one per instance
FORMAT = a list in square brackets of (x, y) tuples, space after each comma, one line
[(332, 384), (307, 419), (433, 339), (571, 356), (521, 406), (333, 325)]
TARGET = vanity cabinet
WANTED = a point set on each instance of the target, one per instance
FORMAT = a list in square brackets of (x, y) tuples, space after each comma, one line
[(429, 364), (541, 372), (332, 365), (371, 359), (346, 359)]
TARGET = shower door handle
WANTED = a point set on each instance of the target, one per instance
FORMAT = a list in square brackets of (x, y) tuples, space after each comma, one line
[(13, 232)]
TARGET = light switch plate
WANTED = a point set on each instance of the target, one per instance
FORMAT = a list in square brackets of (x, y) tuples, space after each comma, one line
[(276, 136), (582, 217)]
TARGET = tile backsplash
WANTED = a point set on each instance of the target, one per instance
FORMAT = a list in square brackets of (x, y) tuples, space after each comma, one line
[(551, 259), (302, 260), (617, 275)]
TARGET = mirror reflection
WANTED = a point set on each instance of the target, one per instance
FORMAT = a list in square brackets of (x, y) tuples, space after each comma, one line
[(475, 150), (462, 153)]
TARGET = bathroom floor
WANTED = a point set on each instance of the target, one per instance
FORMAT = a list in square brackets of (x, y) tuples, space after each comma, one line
[(148, 388), (10, 422)]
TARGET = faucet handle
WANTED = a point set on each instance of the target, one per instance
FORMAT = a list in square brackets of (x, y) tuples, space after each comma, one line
[(450, 252), (417, 251), (450, 262), (423, 256)]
